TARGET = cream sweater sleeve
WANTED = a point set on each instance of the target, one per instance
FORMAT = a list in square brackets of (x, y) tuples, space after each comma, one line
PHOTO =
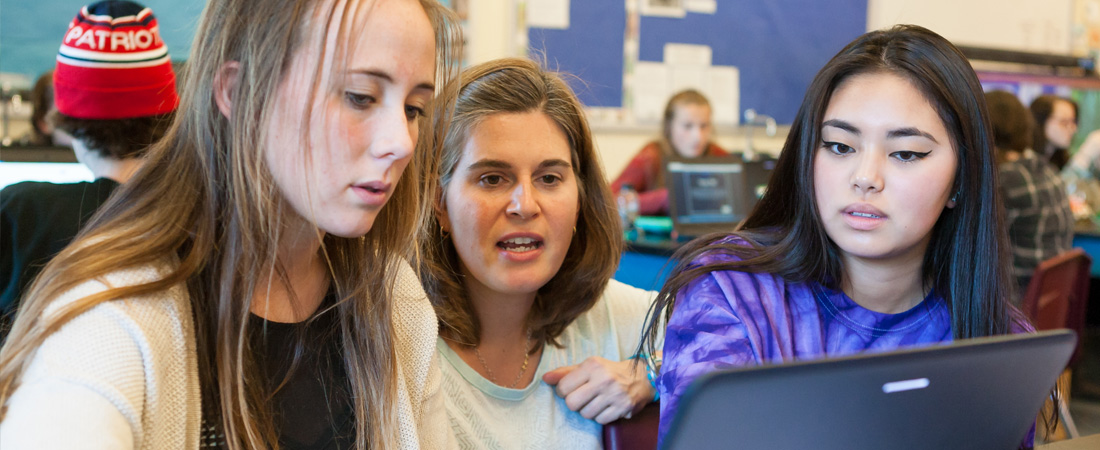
[(120, 375), (423, 419)]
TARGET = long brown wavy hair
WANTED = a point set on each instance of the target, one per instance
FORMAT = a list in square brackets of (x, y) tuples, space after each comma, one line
[(206, 200), (513, 85)]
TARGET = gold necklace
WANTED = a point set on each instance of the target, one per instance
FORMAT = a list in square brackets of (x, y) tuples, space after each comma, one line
[(522, 369)]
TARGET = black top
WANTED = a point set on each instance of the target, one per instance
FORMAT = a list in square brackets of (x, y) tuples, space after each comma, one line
[(313, 409), (37, 221)]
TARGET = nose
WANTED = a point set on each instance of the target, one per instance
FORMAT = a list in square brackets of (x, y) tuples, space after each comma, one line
[(394, 135), (867, 176), (523, 204)]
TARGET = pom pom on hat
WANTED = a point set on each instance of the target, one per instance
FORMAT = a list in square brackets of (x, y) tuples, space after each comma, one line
[(112, 64)]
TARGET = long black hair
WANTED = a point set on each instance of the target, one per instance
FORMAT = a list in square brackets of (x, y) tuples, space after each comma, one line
[(967, 262)]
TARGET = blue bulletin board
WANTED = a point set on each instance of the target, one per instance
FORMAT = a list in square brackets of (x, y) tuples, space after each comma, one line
[(777, 45), (591, 48)]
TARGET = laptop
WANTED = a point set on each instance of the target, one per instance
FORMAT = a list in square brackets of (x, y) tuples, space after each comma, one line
[(980, 393), (713, 193)]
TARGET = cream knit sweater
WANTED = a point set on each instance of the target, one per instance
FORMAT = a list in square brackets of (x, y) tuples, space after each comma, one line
[(124, 374)]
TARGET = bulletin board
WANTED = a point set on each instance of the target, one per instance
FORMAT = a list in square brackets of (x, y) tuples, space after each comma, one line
[(591, 48), (776, 46)]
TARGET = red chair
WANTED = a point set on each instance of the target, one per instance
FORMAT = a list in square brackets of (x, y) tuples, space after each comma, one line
[(636, 433), (1056, 297), (1058, 294)]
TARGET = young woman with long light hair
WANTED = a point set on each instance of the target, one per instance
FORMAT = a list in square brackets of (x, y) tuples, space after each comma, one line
[(259, 257)]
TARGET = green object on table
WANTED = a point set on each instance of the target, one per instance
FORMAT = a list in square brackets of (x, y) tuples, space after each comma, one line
[(654, 224)]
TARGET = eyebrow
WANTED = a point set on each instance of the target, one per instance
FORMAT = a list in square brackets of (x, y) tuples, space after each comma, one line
[(892, 134), (389, 79), (498, 164)]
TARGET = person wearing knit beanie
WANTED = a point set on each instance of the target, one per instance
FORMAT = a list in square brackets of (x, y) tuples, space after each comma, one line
[(115, 94), (114, 85)]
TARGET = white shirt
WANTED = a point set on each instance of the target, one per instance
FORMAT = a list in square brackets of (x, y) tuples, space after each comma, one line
[(484, 415)]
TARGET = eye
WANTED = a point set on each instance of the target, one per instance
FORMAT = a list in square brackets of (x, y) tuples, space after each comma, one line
[(549, 179), (491, 180), (413, 112), (359, 101), (909, 156), (838, 148)]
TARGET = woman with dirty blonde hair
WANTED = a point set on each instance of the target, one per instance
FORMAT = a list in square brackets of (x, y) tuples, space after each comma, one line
[(537, 340), (249, 288)]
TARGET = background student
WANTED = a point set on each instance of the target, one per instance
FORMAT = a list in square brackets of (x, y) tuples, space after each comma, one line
[(879, 230), (518, 264), (1055, 124), (114, 103), (43, 132), (1037, 211), (248, 288), (685, 132)]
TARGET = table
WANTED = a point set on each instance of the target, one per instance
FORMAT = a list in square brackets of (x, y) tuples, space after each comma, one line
[(645, 261), (1082, 443)]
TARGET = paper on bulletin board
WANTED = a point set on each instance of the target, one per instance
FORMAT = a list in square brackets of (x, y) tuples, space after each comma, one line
[(653, 83), (688, 55), (662, 8), (724, 89), (553, 14), (650, 83), (701, 6)]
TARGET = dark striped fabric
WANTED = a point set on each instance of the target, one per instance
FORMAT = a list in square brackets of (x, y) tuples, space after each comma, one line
[(1037, 213)]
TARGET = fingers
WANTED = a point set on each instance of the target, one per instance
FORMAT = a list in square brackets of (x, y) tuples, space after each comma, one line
[(580, 397), (605, 410), (577, 377), (553, 377), (599, 401)]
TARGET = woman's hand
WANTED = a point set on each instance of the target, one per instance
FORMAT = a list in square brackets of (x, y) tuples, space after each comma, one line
[(601, 389)]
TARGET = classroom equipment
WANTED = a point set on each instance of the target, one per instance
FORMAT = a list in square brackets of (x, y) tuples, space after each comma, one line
[(980, 393), (711, 194)]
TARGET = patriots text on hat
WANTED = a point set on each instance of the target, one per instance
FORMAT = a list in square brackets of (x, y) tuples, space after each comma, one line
[(112, 64), (99, 39)]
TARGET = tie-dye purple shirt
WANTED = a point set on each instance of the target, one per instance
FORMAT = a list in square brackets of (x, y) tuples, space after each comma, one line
[(728, 319)]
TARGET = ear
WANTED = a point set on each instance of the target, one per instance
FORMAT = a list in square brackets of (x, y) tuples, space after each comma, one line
[(225, 83)]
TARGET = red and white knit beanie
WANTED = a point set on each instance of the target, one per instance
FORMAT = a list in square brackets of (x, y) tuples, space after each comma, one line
[(113, 64)]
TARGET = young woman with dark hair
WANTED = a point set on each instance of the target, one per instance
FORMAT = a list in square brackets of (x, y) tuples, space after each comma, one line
[(1055, 125), (879, 229)]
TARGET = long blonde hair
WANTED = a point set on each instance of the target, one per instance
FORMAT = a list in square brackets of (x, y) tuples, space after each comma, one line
[(206, 199)]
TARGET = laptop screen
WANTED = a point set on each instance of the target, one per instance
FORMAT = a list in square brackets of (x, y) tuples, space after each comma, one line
[(707, 192), (713, 194), (970, 394)]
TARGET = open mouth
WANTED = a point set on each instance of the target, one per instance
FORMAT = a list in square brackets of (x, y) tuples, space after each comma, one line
[(519, 244), (863, 214)]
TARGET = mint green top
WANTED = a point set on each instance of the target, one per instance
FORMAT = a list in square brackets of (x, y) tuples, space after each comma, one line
[(484, 415)]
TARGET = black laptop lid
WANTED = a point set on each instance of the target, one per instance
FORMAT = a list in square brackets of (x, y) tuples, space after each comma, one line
[(975, 394)]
